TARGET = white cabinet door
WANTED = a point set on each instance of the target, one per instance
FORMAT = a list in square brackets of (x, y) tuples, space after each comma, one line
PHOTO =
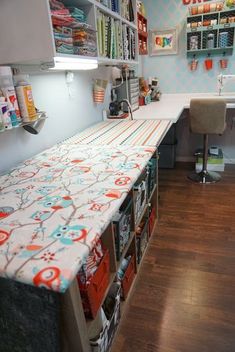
[(25, 32)]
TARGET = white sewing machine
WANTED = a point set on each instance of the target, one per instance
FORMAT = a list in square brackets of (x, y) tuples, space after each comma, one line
[(222, 80)]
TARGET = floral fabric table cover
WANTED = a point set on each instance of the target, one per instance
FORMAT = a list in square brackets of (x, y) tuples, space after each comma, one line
[(55, 206)]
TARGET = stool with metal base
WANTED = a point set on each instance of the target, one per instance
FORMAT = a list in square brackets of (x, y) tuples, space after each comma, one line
[(207, 116)]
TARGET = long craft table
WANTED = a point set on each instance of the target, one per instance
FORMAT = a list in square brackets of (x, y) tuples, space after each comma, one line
[(55, 206), (171, 106), (46, 203)]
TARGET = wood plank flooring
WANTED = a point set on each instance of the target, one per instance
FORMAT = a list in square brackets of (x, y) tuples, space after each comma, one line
[(184, 297)]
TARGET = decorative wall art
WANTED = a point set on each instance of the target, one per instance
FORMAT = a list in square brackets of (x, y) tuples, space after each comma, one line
[(163, 42)]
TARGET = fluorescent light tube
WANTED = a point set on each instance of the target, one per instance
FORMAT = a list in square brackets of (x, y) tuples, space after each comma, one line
[(76, 63)]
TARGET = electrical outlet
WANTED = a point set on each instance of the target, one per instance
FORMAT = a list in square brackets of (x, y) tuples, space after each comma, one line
[(69, 77)]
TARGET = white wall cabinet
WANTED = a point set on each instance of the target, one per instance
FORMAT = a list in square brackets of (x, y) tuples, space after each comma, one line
[(26, 32)]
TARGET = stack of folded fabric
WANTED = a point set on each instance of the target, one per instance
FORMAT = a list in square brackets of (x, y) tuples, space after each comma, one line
[(72, 33), (84, 40), (77, 14), (63, 40), (61, 21)]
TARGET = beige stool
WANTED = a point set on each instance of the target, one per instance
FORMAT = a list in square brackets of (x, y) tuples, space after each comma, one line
[(207, 116)]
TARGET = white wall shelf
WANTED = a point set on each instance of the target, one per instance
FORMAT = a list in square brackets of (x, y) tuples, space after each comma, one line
[(40, 116), (219, 26)]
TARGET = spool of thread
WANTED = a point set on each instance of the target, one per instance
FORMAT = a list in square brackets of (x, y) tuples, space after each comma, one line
[(213, 7), (194, 10), (200, 9), (206, 8)]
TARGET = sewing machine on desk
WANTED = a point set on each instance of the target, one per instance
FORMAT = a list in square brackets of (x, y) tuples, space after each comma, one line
[(222, 80)]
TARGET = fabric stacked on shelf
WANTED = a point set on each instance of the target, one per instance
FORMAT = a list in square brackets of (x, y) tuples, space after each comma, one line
[(84, 40), (71, 32), (63, 40), (128, 37), (127, 10), (109, 36), (77, 14)]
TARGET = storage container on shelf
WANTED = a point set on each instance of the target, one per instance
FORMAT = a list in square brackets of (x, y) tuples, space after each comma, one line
[(100, 344), (92, 292), (112, 310), (126, 274), (25, 98)]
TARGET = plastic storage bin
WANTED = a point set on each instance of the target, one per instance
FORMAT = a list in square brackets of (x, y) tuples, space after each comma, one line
[(142, 239), (115, 313), (122, 226), (140, 197), (93, 293)]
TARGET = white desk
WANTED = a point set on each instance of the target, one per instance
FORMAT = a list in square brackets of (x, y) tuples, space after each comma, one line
[(171, 106)]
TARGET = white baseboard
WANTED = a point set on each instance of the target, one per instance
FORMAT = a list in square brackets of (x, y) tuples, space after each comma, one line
[(191, 159)]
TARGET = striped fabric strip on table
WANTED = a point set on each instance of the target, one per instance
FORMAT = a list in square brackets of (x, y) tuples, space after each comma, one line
[(134, 132)]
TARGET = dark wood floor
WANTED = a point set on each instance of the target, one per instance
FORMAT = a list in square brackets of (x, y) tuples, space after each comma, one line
[(184, 297)]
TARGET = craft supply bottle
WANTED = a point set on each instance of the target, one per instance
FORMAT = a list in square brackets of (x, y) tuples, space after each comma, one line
[(8, 94), (5, 114), (2, 127), (25, 98)]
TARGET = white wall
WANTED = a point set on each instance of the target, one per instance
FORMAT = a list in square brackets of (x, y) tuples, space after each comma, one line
[(173, 70), (67, 115)]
